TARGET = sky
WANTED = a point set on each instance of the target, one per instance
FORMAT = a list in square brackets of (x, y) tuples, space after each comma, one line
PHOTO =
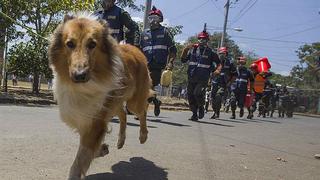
[(271, 28)]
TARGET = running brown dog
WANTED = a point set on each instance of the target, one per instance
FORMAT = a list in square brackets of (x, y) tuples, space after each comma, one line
[(94, 78)]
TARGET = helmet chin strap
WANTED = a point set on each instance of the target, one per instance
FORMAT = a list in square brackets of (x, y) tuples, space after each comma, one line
[(222, 58), (203, 42), (154, 25)]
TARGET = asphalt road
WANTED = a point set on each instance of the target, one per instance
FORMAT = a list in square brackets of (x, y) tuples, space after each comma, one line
[(35, 144)]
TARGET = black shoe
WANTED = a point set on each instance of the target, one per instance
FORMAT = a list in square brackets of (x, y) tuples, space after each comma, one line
[(213, 116), (233, 116), (201, 112), (218, 115), (193, 118), (250, 116), (157, 104), (241, 112)]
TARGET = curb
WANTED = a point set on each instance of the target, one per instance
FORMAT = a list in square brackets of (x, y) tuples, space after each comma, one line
[(12, 100), (307, 115), (8, 99)]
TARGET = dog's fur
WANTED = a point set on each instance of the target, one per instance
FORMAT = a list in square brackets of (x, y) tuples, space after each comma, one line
[(114, 75)]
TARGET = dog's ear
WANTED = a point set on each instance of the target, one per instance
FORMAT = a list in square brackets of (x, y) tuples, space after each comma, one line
[(105, 25), (109, 42), (67, 17)]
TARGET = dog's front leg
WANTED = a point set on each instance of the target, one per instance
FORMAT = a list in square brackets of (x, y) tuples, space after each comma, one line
[(90, 142), (81, 163)]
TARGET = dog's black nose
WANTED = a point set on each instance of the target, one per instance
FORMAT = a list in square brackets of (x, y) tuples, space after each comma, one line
[(80, 76)]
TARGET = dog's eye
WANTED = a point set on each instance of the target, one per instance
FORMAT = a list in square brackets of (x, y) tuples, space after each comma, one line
[(70, 45), (92, 45)]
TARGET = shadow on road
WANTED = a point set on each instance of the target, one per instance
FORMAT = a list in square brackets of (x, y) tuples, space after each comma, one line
[(161, 117), (137, 169), (227, 120), (259, 120), (217, 124), (166, 122), (270, 121), (130, 124)]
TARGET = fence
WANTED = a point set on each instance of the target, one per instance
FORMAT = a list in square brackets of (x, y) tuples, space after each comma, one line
[(308, 101)]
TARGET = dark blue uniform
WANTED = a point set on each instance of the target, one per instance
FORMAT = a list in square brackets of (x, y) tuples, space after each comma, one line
[(219, 85), (239, 88), (202, 61), (117, 18), (156, 45)]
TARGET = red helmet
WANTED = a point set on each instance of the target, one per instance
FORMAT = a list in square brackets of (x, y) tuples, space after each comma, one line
[(203, 35), (223, 50), (155, 11), (254, 66)]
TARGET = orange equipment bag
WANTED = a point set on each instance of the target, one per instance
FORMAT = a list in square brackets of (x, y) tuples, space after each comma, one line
[(259, 82)]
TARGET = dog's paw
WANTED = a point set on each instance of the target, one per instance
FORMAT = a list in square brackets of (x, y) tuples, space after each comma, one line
[(104, 150), (143, 137), (121, 140)]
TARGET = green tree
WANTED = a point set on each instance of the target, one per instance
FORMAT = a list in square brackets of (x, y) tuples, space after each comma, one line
[(309, 76), (179, 76), (38, 18)]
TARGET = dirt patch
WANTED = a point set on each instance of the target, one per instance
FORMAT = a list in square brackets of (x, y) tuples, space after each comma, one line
[(26, 96)]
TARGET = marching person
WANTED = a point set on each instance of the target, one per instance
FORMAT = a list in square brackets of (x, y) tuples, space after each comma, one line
[(117, 19), (158, 46), (239, 87), (201, 59), (258, 88), (221, 81)]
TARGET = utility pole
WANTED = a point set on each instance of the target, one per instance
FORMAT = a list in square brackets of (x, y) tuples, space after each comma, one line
[(146, 11), (3, 47), (4, 64), (227, 6)]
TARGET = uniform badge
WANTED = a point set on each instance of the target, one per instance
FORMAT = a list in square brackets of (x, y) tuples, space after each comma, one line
[(112, 17)]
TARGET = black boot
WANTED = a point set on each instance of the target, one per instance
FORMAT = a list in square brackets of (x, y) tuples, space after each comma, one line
[(157, 104), (218, 114), (233, 116), (250, 115), (241, 112), (201, 112), (194, 117)]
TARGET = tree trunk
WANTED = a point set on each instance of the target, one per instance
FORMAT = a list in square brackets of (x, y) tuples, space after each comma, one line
[(35, 85)]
